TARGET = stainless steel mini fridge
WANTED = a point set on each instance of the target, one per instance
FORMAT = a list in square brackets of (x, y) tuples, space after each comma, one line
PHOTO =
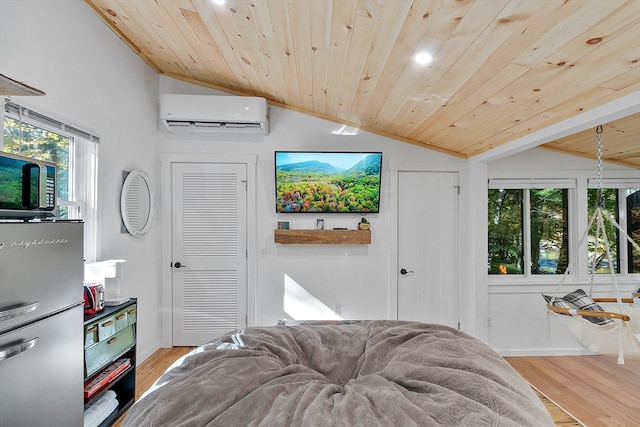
[(41, 316)]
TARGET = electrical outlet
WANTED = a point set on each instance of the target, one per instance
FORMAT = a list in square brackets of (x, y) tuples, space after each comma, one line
[(263, 252)]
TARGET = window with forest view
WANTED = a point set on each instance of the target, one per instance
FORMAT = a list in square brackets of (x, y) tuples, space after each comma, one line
[(74, 152), (619, 203), (632, 197), (528, 231)]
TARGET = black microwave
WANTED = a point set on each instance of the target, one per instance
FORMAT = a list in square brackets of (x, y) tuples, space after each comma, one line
[(27, 187)]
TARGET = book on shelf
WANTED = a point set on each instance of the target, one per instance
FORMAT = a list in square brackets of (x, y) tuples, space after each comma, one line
[(105, 377)]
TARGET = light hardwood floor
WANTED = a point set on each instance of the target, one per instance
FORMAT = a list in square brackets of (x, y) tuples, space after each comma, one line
[(151, 369), (614, 403), (594, 389)]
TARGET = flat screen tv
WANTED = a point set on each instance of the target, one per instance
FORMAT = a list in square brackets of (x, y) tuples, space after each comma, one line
[(340, 182)]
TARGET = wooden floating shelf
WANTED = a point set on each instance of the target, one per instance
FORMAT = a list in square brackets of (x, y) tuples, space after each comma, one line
[(323, 237)]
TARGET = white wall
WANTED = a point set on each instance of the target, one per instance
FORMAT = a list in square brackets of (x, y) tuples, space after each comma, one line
[(95, 82), (517, 318), (510, 316), (359, 278)]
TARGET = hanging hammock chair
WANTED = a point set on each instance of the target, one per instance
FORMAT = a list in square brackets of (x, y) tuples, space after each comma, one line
[(601, 325)]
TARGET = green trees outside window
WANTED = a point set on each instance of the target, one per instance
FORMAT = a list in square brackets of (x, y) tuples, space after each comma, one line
[(528, 231), (505, 231), (536, 219), (612, 197), (549, 231), (633, 227)]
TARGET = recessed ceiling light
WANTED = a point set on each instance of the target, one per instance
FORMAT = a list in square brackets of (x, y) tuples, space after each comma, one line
[(423, 58), (219, 2)]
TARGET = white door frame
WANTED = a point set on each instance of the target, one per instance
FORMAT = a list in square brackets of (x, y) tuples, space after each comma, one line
[(466, 287), (431, 293), (166, 220)]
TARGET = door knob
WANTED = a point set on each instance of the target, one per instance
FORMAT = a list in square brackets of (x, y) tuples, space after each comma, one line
[(405, 271), (178, 264)]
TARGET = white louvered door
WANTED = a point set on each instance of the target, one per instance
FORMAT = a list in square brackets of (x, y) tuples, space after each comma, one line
[(209, 218)]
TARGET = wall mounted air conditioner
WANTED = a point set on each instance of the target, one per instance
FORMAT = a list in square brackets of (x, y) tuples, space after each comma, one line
[(211, 113)]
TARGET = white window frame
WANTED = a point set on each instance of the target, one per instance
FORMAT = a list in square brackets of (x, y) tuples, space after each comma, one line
[(620, 184), (534, 184), (577, 208), (83, 167)]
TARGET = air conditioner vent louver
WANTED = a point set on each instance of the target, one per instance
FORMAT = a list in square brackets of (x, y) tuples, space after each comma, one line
[(242, 125), (206, 113), (177, 124), (206, 125)]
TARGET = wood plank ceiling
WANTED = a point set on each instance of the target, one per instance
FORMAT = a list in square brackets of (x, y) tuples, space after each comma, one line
[(501, 69)]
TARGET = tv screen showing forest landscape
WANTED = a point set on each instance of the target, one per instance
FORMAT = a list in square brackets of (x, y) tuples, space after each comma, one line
[(339, 182)]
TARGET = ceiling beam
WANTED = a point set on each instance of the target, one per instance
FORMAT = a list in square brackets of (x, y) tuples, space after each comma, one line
[(614, 110)]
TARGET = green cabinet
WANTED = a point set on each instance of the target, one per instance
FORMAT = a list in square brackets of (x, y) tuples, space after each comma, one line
[(107, 350), (110, 357)]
